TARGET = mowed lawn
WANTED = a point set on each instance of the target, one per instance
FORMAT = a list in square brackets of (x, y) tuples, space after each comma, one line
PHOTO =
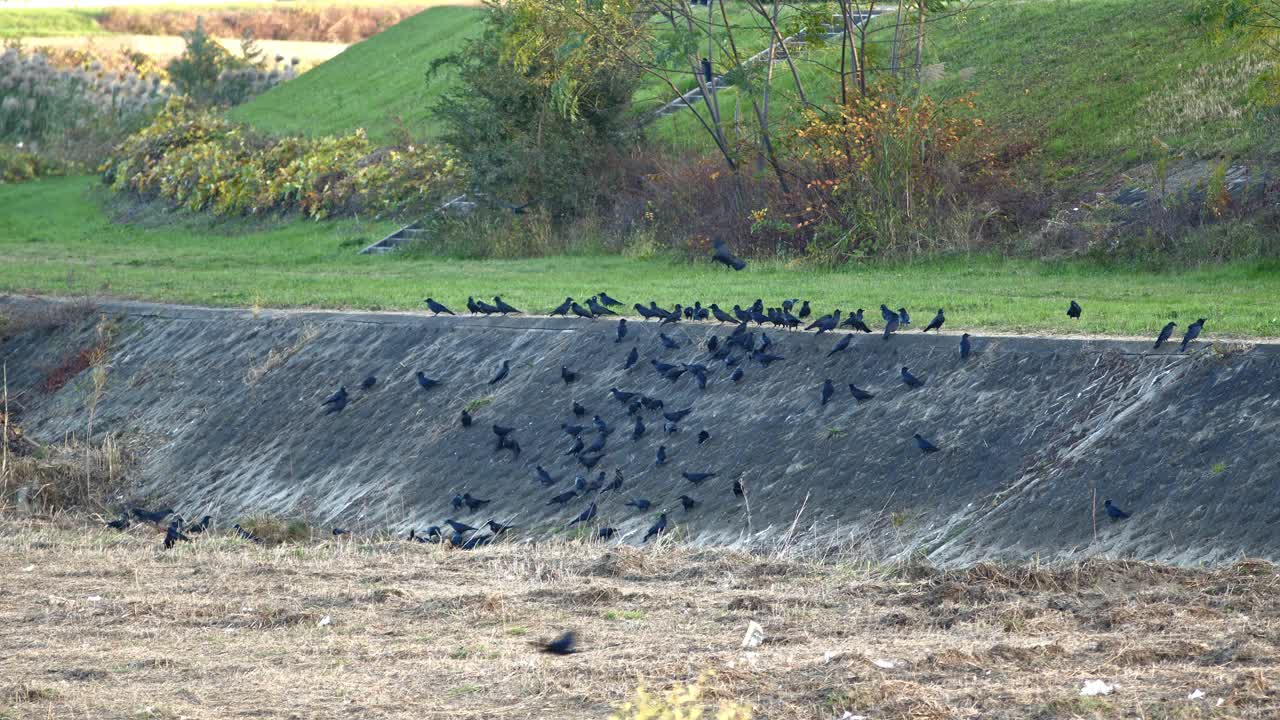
[(57, 238)]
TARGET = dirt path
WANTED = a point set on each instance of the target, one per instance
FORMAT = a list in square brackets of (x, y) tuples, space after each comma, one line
[(101, 624)]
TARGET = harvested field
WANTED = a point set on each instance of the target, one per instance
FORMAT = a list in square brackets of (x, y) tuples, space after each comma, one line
[(106, 625)]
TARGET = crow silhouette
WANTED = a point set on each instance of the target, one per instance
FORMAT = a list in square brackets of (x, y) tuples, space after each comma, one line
[(567, 375), (585, 516), (1074, 311), (543, 476), (581, 312), (465, 418), (924, 445), (504, 308), (697, 478), (459, 527), (1193, 332), (622, 330), (597, 309), (632, 358), (608, 301), (148, 516), (936, 322), (841, 346), (640, 504), (658, 528), (368, 383), (737, 488), (502, 373), (425, 382), (563, 308), (563, 645), (606, 533), (563, 497), (1165, 334), (703, 436), (119, 524), (173, 534), (911, 380), (725, 257), (1114, 512), (828, 389), (436, 307), (662, 455), (965, 346), (687, 502), (859, 394), (246, 535)]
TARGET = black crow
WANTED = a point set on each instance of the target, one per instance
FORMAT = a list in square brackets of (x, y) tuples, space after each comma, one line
[(890, 326), (503, 307), (465, 418), (585, 516), (632, 358), (828, 389), (640, 504), (173, 534), (563, 308), (688, 502), (826, 323), (339, 532), (677, 415), (368, 383), (1165, 334), (662, 455), (436, 307), (543, 476), (567, 375), (765, 359), (1074, 311), (737, 375), (638, 431), (501, 431), (156, 517), (486, 309), (472, 306), (697, 478), (911, 380), (618, 478), (425, 382), (598, 444), (650, 403), (936, 322), (856, 322), (121, 524), (506, 442), (601, 426), (1114, 512), (703, 436), (886, 313), (476, 542), (965, 346), (668, 342), (473, 502), (201, 526), (587, 461), (498, 528), (336, 406), (725, 257), (658, 528), (246, 535), (645, 312), (620, 396), (563, 645), (563, 498), (581, 312), (606, 533), (572, 429), (339, 397), (598, 309), (720, 315), (804, 310), (608, 301), (924, 445), (903, 317), (459, 527), (859, 394), (1193, 332), (622, 330), (578, 410), (673, 316), (737, 488), (578, 444), (841, 346), (457, 503), (502, 373)]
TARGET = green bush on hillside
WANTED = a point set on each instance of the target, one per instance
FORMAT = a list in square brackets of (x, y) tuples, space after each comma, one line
[(203, 162)]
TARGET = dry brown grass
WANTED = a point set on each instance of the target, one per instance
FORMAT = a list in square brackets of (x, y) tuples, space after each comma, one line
[(105, 625)]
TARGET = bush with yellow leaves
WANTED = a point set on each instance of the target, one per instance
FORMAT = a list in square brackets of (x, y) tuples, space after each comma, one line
[(681, 702)]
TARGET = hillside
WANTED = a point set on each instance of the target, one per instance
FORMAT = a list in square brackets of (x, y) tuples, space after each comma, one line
[(377, 85)]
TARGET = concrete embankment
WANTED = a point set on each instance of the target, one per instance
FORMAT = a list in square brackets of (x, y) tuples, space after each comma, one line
[(1035, 433)]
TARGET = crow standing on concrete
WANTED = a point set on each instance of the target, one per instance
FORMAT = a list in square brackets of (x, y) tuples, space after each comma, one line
[(677, 415), (1114, 512), (936, 322), (585, 516), (841, 346), (337, 400), (436, 307), (725, 257), (697, 478), (563, 498), (368, 383), (703, 436), (502, 307), (859, 394), (567, 375), (502, 373), (1074, 311), (658, 528), (1165, 334), (911, 380), (485, 308), (633, 357), (638, 431), (667, 342), (737, 488), (578, 444), (622, 330), (688, 503), (720, 315), (925, 446), (827, 390), (465, 418), (578, 410), (543, 476), (563, 308), (737, 375), (425, 382), (662, 456), (965, 346), (640, 504), (1193, 332), (826, 323)]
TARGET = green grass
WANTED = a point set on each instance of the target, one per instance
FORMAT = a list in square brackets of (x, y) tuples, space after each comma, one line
[(1087, 84), (56, 238), (378, 84), (48, 23)]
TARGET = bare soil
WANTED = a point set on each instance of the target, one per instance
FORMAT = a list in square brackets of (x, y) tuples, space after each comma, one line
[(107, 625)]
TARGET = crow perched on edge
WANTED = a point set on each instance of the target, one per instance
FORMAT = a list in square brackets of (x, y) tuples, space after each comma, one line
[(436, 307), (1193, 332), (936, 322), (1165, 334), (965, 346)]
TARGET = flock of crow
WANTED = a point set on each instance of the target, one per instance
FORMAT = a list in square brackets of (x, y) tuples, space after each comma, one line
[(735, 351), (740, 348)]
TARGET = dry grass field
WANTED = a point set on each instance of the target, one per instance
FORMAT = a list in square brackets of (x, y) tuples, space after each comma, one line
[(96, 624)]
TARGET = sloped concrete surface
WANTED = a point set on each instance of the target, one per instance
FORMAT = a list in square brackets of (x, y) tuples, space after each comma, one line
[(1035, 432)]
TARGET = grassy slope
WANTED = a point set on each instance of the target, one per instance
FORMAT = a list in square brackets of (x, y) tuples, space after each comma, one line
[(1089, 82), (55, 238), (371, 84), (47, 23)]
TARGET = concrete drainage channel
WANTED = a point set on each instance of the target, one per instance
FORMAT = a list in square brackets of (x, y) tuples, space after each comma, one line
[(1035, 432)]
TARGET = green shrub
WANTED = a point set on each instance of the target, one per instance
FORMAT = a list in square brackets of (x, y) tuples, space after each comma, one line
[(18, 165), (199, 160)]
